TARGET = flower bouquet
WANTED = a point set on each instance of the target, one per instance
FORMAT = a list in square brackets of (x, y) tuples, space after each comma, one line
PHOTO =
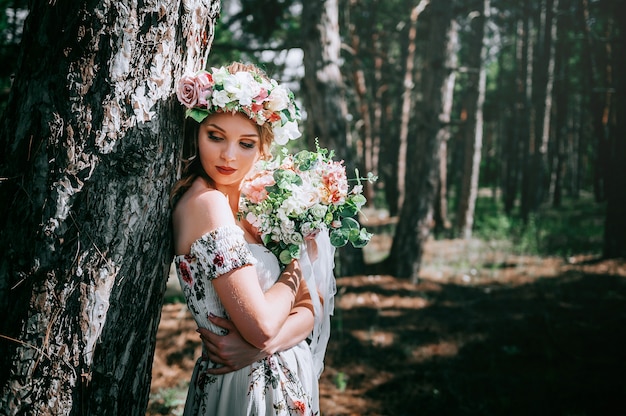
[(295, 196)]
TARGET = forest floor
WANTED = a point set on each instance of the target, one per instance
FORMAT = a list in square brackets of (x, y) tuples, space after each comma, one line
[(483, 332)]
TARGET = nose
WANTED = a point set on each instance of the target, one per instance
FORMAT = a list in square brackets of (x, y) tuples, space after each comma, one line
[(228, 151)]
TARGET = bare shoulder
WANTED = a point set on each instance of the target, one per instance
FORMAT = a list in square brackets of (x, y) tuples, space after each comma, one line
[(199, 211)]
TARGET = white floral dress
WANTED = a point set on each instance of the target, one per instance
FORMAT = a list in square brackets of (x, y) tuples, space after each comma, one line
[(284, 383)]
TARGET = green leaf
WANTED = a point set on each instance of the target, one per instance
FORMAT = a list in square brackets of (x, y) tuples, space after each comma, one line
[(358, 200), (294, 251), (285, 257), (284, 178), (338, 239), (353, 234), (197, 114), (348, 210), (362, 240), (350, 223)]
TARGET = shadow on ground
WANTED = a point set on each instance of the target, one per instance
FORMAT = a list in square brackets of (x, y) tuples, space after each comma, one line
[(511, 342)]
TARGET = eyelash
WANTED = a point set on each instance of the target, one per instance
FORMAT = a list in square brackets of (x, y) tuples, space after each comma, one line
[(246, 145)]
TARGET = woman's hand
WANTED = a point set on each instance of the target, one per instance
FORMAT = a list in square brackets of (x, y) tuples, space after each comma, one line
[(230, 350)]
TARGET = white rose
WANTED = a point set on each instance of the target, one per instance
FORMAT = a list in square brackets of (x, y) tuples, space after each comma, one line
[(219, 75), (319, 210), (276, 234), (287, 227), (220, 98), (289, 131), (296, 238), (309, 229), (293, 206), (243, 87), (278, 99)]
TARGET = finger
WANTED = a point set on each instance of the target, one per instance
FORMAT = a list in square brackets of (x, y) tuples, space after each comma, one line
[(204, 333), (222, 322), (208, 336), (215, 358), (209, 344)]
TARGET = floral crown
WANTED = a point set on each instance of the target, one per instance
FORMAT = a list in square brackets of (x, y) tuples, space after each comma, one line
[(263, 100)]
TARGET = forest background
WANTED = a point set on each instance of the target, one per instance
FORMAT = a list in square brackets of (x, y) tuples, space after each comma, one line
[(496, 131)]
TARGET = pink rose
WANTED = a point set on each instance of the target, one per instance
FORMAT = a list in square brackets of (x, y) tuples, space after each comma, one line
[(204, 85), (187, 92)]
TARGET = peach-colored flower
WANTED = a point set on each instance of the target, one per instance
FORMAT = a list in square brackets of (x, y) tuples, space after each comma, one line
[(254, 187), (336, 183)]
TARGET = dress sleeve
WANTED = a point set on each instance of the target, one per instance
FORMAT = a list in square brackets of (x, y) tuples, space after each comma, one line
[(221, 251)]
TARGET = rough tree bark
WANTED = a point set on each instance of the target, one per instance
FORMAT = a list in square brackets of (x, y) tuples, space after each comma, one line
[(324, 99), (87, 158)]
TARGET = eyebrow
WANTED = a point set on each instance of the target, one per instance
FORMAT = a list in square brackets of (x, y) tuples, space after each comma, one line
[(224, 131)]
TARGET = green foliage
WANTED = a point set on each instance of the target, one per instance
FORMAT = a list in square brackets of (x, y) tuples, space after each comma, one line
[(12, 14), (174, 298), (170, 401), (574, 228), (341, 381)]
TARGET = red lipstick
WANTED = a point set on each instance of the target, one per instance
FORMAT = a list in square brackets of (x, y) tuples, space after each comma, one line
[(225, 170)]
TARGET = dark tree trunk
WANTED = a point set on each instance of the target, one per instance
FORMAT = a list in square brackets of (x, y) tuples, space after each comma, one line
[(543, 87), (528, 115), (406, 109), (598, 101), (88, 142), (615, 225), (416, 216), (563, 111)]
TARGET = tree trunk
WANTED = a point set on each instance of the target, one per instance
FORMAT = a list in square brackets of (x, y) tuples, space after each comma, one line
[(406, 109), (473, 129), (507, 117), (441, 205), (416, 216), (598, 104), (615, 224), (563, 111), (528, 136), (88, 144), (542, 106), (324, 99)]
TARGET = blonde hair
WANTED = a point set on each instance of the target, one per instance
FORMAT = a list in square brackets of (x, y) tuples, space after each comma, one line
[(192, 167)]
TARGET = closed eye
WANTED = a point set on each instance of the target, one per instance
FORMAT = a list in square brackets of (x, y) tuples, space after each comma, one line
[(248, 145)]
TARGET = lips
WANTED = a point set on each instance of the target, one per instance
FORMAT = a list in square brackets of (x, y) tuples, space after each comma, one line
[(225, 170)]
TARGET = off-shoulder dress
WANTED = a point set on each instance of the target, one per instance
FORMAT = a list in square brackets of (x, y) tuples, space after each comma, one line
[(285, 383)]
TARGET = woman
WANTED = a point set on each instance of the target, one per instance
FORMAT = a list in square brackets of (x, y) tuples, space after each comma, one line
[(234, 285)]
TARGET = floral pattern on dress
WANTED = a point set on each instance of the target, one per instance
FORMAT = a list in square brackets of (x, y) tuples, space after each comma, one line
[(221, 251), (290, 397), (280, 385)]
